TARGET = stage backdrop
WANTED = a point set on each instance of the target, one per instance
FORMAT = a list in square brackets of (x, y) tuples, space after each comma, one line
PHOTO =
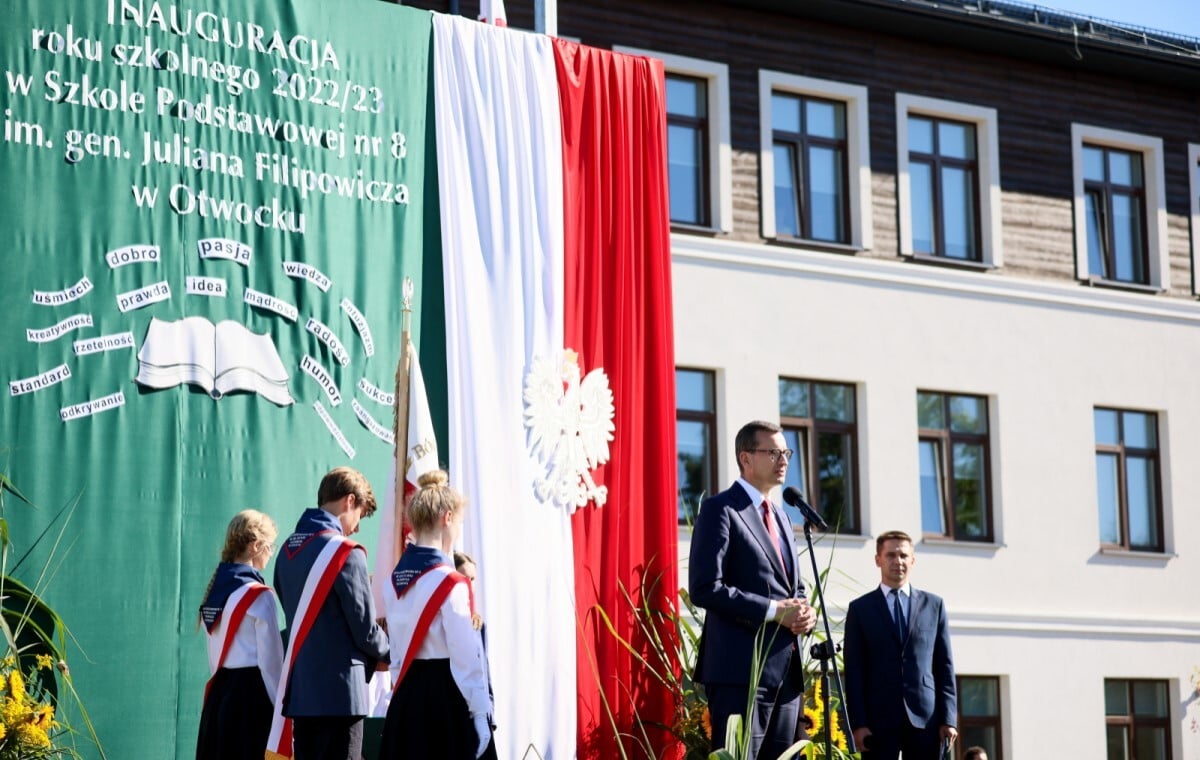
[(195, 196), (206, 212)]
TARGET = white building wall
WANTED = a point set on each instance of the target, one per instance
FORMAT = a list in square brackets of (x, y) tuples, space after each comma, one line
[(1042, 607)]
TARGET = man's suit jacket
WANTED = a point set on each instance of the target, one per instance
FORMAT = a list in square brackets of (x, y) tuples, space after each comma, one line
[(344, 644), (889, 684), (733, 574)]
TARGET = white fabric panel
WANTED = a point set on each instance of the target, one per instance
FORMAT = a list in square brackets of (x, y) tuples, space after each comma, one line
[(500, 181)]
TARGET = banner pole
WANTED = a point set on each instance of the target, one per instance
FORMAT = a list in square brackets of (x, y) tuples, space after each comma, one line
[(400, 419)]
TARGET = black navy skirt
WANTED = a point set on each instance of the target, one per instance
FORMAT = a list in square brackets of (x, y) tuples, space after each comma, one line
[(236, 719), (428, 717)]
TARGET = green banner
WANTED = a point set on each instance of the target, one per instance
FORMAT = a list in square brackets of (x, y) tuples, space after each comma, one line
[(205, 216)]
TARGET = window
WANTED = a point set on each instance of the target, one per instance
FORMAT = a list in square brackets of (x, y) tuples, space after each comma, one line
[(979, 715), (949, 180), (699, 157), (696, 439), (1194, 173), (814, 161), (687, 149), (942, 172), (809, 152), (1114, 200), (1120, 213), (1137, 719), (818, 421), (953, 452), (1127, 480)]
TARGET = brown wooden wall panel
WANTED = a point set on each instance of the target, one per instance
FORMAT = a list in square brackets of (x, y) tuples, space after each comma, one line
[(1036, 104)]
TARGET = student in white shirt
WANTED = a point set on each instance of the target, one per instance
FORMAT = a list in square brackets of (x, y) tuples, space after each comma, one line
[(245, 650), (441, 704)]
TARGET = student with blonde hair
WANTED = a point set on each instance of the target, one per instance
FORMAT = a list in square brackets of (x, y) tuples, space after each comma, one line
[(245, 651), (440, 704)]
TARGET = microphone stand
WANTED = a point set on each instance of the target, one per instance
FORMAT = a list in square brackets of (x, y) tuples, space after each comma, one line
[(825, 651)]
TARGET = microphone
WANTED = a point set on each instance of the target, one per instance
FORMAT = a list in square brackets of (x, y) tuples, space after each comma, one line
[(792, 496)]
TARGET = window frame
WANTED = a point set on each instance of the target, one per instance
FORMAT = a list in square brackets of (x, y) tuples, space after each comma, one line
[(810, 428), (701, 127), (995, 722), (720, 152), (1106, 191), (857, 171), (1119, 450), (1154, 212), (1194, 184), (803, 143), (1132, 721), (944, 440), (708, 418), (937, 161), (987, 191)]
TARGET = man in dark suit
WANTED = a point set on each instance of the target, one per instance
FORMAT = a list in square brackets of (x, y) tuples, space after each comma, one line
[(900, 690), (743, 572), (326, 695)]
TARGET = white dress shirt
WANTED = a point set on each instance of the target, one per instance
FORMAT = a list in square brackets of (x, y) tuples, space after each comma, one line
[(905, 599), (451, 636), (257, 642)]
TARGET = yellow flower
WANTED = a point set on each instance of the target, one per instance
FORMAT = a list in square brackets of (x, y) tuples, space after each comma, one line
[(16, 685), (813, 718), (44, 717), (3, 731), (14, 712), (32, 735), (836, 735), (45, 662)]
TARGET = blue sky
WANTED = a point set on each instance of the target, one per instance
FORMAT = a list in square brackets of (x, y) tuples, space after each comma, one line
[(1177, 16)]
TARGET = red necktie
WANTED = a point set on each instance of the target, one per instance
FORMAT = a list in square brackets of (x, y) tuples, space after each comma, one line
[(769, 519)]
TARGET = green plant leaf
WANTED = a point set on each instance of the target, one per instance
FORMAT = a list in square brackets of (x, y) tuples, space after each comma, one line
[(795, 749), (7, 485)]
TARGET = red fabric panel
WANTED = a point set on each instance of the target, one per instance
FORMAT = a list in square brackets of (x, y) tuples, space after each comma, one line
[(619, 317)]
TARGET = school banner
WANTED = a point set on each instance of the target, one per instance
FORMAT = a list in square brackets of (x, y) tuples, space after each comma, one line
[(206, 211)]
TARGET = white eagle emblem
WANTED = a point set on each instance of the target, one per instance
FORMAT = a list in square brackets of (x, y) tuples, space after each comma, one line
[(570, 423)]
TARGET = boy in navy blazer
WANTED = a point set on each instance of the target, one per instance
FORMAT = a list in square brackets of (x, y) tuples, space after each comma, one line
[(327, 690), (743, 572), (900, 689)]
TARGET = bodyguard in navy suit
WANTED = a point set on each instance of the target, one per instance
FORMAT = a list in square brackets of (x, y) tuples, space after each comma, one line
[(327, 691), (900, 690), (743, 572)]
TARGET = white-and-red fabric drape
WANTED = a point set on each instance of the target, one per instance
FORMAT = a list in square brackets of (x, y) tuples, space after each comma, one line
[(553, 195)]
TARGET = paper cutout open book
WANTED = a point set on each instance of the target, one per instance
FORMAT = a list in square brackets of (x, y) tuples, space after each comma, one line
[(220, 359)]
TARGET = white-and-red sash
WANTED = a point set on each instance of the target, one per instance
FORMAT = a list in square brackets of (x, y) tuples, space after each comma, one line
[(316, 588), (239, 601), (429, 590)]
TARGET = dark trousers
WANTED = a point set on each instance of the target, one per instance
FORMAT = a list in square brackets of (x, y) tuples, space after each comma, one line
[(915, 743), (776, 714), (332, 737)]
